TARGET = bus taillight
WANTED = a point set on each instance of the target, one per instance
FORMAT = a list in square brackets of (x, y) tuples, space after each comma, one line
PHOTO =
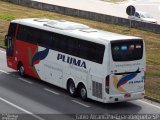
[(107, 84)]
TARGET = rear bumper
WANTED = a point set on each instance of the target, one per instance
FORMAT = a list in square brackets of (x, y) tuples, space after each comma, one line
[(121, 97)]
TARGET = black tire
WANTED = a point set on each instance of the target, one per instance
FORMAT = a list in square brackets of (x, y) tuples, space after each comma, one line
[(21, 70), (83, 93), (71, 89)]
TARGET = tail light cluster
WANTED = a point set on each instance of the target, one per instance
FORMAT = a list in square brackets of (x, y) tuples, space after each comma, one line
[(107, 84)]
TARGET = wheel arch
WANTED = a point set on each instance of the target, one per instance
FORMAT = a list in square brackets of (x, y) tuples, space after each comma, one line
[(69, 80), (18, 64), (81, 84), (79, 89)]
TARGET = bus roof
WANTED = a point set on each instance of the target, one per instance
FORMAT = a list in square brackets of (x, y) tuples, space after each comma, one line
[(73, 29)]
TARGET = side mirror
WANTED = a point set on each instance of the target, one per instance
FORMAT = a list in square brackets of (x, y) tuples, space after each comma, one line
[(6, 40)]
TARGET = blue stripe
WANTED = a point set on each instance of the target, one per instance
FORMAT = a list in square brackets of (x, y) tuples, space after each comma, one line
[(40, 55), (127, 78)]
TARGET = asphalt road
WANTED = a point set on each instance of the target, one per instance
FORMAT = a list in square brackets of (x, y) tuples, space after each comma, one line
[(118, 9), (34, 99)]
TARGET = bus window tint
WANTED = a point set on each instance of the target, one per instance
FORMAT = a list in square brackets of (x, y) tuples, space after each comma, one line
[(12, 29), (44, 39), (73, 46), (91, 51), (21, 35), (77, 47), (127, 50), (27, 34)]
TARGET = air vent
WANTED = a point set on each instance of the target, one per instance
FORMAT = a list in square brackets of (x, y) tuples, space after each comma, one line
[(97, 89), (51, 23), (65, 25), (41, 20), (88, 30)]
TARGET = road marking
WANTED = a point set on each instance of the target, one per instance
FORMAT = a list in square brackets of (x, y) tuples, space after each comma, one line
[(14, 75), (149, 104), (3, 51), (46, 89), (25, 80), (4, 71), (81, 103), (20, 108)]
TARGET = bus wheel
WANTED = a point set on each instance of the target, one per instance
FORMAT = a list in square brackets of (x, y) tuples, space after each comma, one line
[(71, 88), (83, 92), (21, 69)]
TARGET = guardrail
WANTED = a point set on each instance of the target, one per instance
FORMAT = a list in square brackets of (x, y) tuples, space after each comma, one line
[(89, 15)]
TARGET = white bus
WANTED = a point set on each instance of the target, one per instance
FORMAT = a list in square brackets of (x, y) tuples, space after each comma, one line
[(91, 63)]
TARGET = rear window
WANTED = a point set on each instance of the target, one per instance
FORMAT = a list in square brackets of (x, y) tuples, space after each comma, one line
[(127, 50)]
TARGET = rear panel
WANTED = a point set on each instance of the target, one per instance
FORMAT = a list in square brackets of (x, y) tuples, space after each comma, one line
[(127, 66), (127, 83)]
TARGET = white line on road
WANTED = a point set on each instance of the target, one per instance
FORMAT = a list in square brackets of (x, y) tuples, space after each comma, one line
[(4, 71), (80, 103), (46, 89), (14, 75), (149, 104), (20, 108), (3, 51), (25, 80)]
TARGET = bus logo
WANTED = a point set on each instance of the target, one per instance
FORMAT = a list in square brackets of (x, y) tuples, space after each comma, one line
[(138, 46), (124, 47), (125, 79), (40, 55), (116, 48), (118, 84), (131, 47), (71, 60)]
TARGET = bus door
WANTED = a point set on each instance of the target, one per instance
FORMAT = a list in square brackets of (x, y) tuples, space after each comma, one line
[(9, 42)]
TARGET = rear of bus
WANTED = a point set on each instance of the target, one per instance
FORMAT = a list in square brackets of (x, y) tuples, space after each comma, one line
[(126, 66)]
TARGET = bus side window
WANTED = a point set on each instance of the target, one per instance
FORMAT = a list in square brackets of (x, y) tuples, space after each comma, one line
[(26, 34), (11, 32), (44, 38), (9, 39), (12, 29), (22, 33)]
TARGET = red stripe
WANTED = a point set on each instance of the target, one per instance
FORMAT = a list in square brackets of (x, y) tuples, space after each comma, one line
[(36, 62)]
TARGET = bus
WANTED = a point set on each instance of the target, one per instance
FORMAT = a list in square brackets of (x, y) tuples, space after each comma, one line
[(91, 63)]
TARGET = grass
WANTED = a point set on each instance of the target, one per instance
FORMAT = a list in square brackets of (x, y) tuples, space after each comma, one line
[(6, 17), (3, 28), (10, 11), (152, 87)]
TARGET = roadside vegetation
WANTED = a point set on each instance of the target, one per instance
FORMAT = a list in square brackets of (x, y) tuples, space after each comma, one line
[(10, 11)]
